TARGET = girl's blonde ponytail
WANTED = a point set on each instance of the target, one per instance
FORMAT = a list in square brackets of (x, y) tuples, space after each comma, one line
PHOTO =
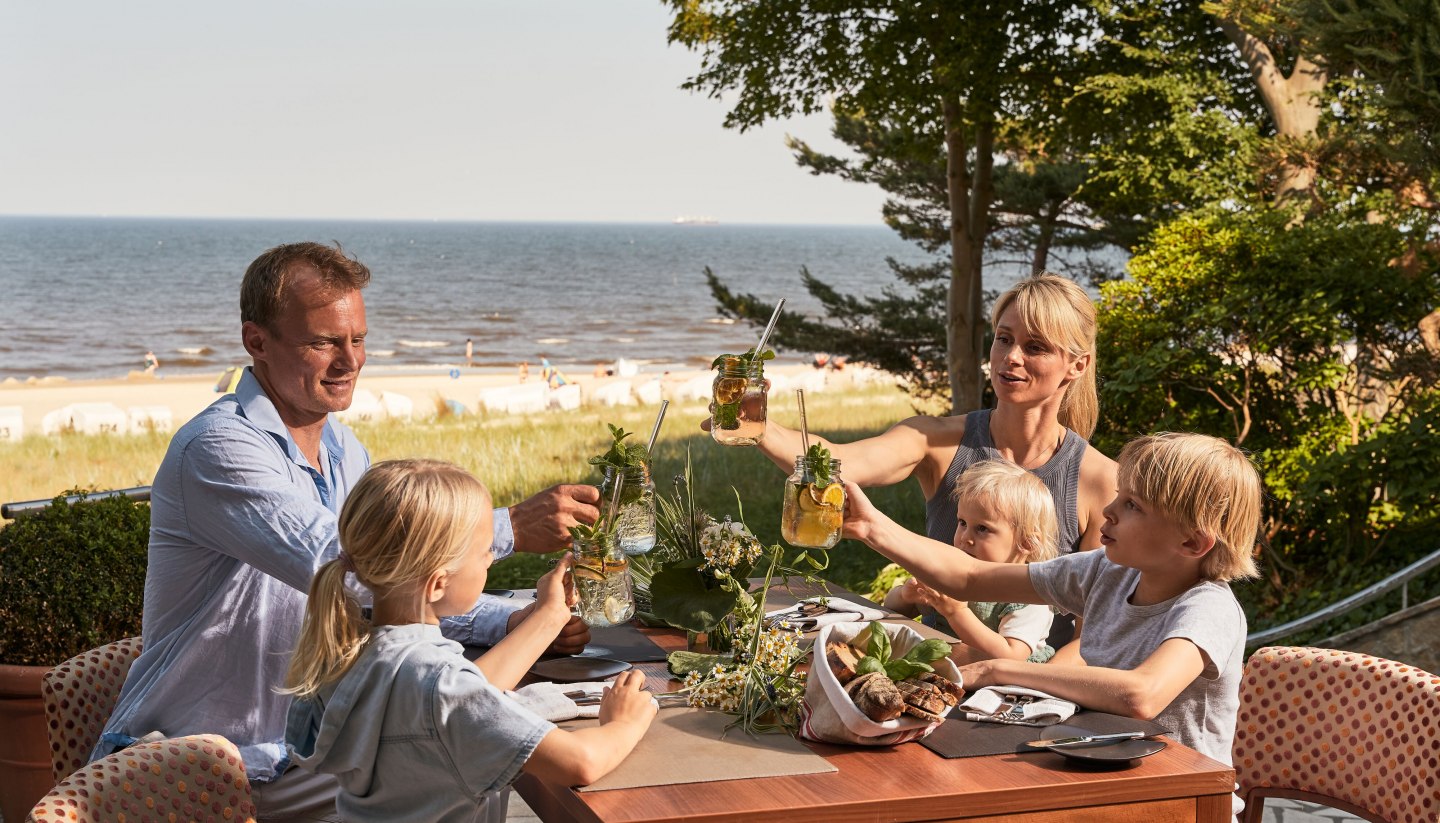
[(332, 637)]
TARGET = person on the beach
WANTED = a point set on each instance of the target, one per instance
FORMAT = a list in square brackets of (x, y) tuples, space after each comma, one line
[(243, 513), (524, 371), (1042, 369), (368, 693), (151, 362), (469, 352), (1164, 636), (1005, 515)]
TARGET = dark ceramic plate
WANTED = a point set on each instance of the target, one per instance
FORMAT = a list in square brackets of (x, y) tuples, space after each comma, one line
[(1115, 754), (577, 669)]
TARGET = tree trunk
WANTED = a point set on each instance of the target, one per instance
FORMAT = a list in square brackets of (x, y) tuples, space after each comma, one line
[(1293, 103), (969, 206), (1047, 221)]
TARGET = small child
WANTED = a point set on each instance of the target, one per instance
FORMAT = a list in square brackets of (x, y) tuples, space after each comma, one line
[(408, 726), (1005, 515), (1164, 636)]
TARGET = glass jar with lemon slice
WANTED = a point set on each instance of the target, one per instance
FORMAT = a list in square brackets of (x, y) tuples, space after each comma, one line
[(602, 579), (814, 506), (738, 395)]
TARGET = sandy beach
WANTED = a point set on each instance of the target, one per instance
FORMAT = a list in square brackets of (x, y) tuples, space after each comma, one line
[(186, 395)]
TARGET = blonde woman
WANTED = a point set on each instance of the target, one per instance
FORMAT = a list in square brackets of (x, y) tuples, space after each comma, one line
[(408, 726), (1042, 368)]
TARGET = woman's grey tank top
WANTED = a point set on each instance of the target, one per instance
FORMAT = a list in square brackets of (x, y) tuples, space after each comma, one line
[(1060, 474)]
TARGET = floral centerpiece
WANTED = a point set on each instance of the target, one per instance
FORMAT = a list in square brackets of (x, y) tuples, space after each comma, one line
[(698, 579)]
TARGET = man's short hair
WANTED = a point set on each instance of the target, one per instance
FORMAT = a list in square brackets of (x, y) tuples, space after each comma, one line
[(1203, 484), (266, 288)]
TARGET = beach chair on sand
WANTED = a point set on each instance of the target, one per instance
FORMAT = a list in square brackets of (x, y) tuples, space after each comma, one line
[(12, 423)]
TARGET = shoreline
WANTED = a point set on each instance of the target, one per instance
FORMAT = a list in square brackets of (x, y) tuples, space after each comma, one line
[(186, 395)]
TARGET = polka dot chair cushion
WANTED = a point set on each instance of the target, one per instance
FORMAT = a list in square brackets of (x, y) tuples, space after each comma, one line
[(1362, 730), (79, 696), (198, 778)]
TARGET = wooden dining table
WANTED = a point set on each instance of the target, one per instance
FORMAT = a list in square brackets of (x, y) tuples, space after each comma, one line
[(910, 783)]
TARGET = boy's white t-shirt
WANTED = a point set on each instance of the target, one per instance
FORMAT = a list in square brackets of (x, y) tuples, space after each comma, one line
[(1119, 635)]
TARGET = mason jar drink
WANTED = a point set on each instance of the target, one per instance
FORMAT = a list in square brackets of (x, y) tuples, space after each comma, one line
[(738, 399), (602, 582), (635, 517), (814, 506)]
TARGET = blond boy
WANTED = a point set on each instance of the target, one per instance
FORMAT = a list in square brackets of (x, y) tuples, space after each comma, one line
[(1164, 636)]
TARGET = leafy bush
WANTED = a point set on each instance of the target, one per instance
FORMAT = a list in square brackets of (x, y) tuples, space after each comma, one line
[(73, 578), (1301, 344)]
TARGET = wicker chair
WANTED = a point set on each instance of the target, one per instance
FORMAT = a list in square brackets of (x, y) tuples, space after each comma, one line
[(199, 778), (79, 696), (1350, 731)]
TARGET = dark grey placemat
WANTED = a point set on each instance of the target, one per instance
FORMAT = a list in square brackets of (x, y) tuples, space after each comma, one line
[(958, 737), (624, 642)]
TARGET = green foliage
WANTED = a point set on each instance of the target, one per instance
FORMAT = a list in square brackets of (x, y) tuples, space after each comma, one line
[(1006, 133), (73, 578), (1300, 343), (621, 455)]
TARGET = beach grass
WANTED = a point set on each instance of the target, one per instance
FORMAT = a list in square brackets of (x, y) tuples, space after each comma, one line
[(517, 456)]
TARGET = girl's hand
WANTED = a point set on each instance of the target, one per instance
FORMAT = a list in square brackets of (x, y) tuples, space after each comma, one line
[(555, 590), (627, 701), (927, 596), (861, 516)]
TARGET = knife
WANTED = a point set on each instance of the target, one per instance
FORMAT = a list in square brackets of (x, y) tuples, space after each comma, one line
[(1085, 740)]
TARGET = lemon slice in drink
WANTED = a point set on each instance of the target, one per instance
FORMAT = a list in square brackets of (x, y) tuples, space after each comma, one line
[(729, 390), (581, 570), (830, 497)]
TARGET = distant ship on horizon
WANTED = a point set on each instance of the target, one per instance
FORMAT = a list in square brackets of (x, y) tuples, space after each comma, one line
[(695, 220)]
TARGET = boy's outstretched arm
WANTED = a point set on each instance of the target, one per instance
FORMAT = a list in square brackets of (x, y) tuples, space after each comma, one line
[(1142, 692), (937, 565)]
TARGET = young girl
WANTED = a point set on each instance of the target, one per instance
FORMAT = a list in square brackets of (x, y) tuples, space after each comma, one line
[(409, 727), (1004, 515)]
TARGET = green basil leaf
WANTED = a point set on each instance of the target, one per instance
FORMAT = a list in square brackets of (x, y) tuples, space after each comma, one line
[(930, 650), (879, 642), (868, 664), (902, 668)]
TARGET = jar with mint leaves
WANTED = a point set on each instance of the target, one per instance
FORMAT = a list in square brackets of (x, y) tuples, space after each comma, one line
[(813, 511), (602, 577), (738, 398), (628, 464)]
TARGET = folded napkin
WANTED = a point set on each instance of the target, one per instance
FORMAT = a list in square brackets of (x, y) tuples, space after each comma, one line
[(1017, 705), (810, 614), (549, 701)]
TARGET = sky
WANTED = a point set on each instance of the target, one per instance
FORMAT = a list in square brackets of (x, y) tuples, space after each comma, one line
[(553, 110)]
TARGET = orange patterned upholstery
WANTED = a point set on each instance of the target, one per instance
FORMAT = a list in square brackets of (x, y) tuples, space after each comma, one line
[(1354, 732), (199, 778), (79, 696)]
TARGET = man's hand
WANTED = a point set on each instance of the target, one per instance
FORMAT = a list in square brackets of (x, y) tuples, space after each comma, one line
[(542, 522), (572, 637)]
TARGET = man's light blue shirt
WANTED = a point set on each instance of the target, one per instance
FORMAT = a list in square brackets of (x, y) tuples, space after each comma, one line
[(239, 523)]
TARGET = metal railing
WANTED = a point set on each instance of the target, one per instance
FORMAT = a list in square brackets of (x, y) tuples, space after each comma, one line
[(1400, 579), (25, 508)]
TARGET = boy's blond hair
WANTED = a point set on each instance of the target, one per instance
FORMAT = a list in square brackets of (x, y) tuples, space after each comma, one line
[(1205, 485), (1020, 498), (404, 521)]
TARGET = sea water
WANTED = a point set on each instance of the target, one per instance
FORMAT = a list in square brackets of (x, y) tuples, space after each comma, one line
[(87, 297)]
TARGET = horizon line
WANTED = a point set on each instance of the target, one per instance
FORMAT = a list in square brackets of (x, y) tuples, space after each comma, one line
[(457, 220)]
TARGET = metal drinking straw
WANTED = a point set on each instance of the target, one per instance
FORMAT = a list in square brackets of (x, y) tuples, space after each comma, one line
[(765, 335)]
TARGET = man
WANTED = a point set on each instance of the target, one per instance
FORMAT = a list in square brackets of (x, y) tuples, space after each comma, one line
[(243, 511)]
